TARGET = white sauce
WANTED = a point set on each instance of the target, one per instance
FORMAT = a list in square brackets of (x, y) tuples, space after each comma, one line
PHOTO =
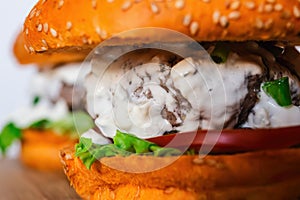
[(24, 117), (268, 114), (96, 137), (114, 102), (47, 85)]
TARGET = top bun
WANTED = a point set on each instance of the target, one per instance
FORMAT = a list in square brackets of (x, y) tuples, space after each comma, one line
[(44, 60), (72, 25)]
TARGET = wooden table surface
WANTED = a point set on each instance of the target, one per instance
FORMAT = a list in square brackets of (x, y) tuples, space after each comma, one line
[(18, 182)]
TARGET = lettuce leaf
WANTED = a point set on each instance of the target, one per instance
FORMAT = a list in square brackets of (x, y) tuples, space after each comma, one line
[(8, 135), (72, 124), (124, 145)]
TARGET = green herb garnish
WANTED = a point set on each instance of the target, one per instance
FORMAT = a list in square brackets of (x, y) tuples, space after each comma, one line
[(8, 135), (220, 52), (279, 90), (36, 100), (124, 145)]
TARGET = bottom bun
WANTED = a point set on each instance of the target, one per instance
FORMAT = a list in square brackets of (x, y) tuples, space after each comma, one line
[(40, 149), (269, 174)]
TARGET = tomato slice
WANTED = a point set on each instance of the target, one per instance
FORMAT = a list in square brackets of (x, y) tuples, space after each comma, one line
[(232, 140)]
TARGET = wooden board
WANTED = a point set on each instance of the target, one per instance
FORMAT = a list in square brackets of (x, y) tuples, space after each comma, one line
[(20, 182)]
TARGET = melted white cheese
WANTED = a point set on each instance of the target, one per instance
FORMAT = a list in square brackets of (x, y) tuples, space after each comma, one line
[(210, 94), (48, 83), (96, 137), (24, 117), (268, 114)]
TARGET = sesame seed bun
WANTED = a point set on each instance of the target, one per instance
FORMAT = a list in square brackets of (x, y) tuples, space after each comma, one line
[(73, 25), (44, 60), (40, 149), (272, 174)]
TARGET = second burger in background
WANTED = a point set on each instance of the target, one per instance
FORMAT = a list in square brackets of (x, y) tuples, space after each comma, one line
[(46, 126)]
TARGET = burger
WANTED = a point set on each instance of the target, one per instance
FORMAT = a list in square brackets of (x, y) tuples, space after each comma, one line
[(46, 125), (158, 114)]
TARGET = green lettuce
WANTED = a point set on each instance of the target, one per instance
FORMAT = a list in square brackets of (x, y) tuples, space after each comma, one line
[(124, 145), (8, 135), (71, 124)]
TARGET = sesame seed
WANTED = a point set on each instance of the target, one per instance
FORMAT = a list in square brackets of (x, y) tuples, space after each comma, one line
[(53, 32), (154, 8), (278, 7), (126, 5), (187, 19), (102, 33), (110, 1), (46, 27), (38, 13), (94, 4), (234, 15), (84, 40), (32, 13), (179, 4), (224, 33), (43, 1), (224, 21), (169, 190), (235, 5), (68, 156), (261, 8), (268, 8), (194, 27), (198, 161), (268, 24), (250, 5), (206, 1), (112, 195), (26, 48), (26, 31), (39, 27), (43, 48), (60, 4), (216, 16), (137, 194), (289, 26), (98, 30), (259, 23), (68, 25), (31, 49), (296, 12), (270, 1), (44, 43)]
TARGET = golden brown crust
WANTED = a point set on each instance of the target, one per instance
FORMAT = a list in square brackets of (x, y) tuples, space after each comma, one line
[(44, 60), (40, 149), (270, 174), (75, 24)]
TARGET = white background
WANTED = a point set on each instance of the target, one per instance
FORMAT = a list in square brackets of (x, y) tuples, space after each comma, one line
[(14, 79)]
